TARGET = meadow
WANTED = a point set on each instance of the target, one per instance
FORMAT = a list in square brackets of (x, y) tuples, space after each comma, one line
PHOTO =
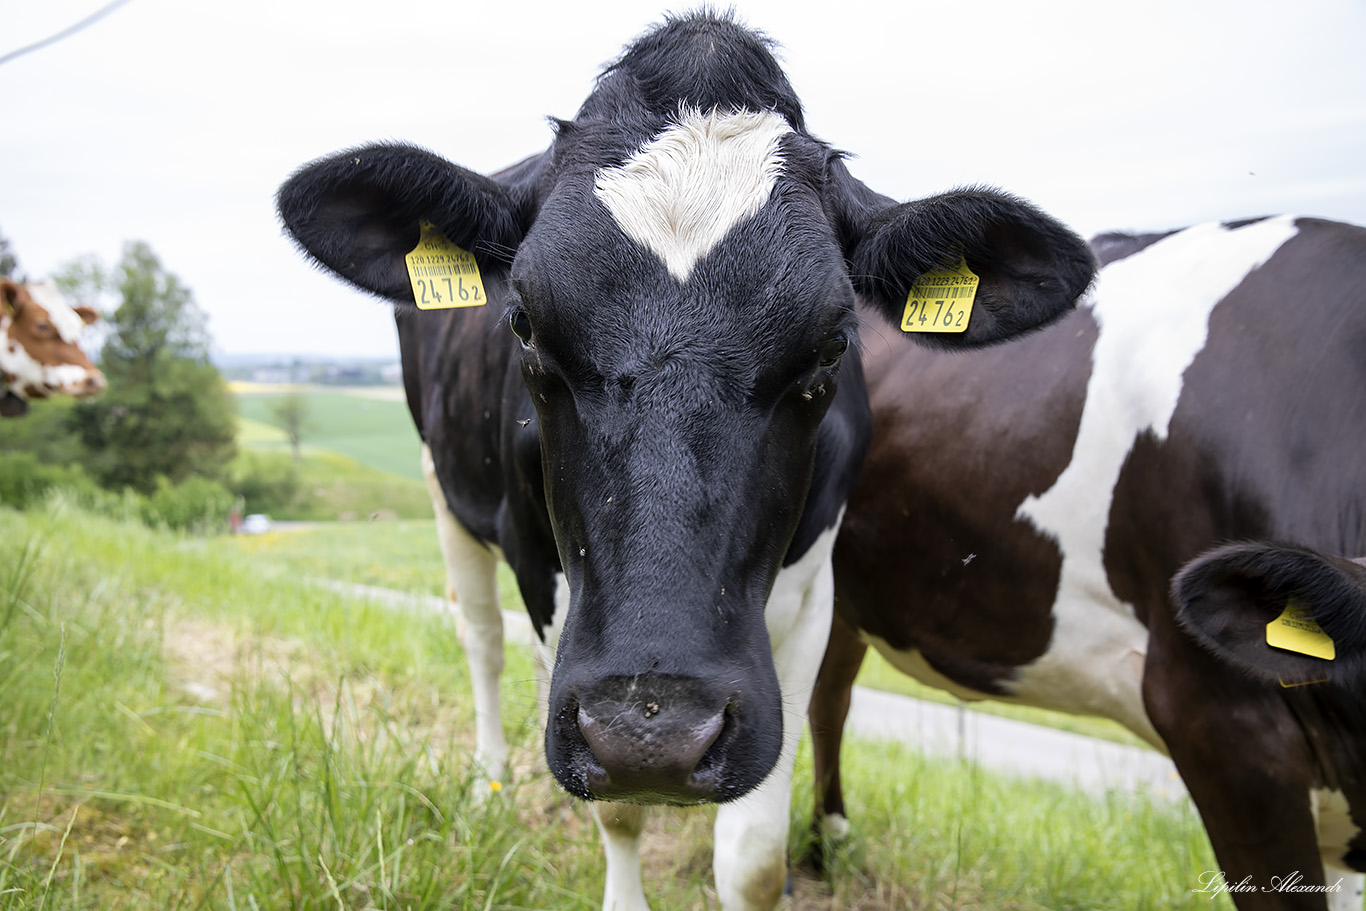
[(359, 456), (369, 425), (194, 723)]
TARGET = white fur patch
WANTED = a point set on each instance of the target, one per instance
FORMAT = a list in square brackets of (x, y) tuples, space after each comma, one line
[(682, 193), (471, 583), (750, 858), (60, 313), (1333, 819), (1153, 313)]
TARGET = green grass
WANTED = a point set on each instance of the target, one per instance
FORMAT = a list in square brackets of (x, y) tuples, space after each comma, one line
[(403, 556), (190, 724), (377, 432)]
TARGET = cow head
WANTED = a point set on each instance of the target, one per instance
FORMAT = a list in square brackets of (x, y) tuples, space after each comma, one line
[(40, 353), (679, 274), (1227, 598)]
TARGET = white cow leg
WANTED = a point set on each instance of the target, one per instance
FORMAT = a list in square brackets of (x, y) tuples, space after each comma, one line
[(1349, 896), (471, 582), (1336, 830), (751, 834), (621, 825)]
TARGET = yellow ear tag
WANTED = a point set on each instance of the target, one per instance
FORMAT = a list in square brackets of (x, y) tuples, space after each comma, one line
[(1295, 630), (941, 300), (443, 275)]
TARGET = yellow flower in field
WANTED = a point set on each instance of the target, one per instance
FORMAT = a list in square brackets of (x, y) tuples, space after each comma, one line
[(495, 786)]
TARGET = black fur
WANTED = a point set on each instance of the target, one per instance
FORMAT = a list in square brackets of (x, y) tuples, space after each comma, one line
[(1226, 597)]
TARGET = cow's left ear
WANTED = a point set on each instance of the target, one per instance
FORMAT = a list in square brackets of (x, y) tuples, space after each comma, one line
[(87, 314), (359, 213), (1226, 598), (1031, 268)]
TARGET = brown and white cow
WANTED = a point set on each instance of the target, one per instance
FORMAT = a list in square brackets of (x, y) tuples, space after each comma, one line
[(1023, 509), (40, 355)]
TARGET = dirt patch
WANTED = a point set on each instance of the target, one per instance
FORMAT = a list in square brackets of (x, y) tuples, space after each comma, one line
[(203, 659)]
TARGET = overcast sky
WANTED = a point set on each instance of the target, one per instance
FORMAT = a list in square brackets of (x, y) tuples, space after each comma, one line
[(173, 122)]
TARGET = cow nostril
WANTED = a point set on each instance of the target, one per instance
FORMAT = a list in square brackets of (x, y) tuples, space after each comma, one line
[(650, 749)]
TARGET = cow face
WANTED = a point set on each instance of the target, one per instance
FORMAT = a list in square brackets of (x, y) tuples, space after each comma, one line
[(41, 355), (681, 353), (679, 286)]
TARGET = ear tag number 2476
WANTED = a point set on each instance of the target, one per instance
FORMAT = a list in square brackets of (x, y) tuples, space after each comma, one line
[(941, 300), (443, 275)]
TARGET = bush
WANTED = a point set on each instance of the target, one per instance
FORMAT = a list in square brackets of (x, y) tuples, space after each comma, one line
[(25, 480), (267, 481), (196, 504)]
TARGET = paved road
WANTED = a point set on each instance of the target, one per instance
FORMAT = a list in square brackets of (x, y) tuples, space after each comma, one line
[(999, 744)]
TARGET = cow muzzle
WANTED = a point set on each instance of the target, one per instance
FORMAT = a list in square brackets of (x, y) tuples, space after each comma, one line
[(654, 740)]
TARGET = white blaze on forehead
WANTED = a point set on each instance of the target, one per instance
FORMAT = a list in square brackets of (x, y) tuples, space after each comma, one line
[(681, 194), (63, 317)]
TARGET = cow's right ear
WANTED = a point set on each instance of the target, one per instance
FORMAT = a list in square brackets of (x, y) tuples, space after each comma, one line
[(1226, 598), (359, 213)]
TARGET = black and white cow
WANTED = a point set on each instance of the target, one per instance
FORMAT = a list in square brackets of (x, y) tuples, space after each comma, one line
[(1231, 599), (1023, 509), (657, 417), (1227, 597)]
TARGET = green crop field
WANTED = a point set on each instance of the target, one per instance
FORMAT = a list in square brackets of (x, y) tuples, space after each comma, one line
[(375, 431)]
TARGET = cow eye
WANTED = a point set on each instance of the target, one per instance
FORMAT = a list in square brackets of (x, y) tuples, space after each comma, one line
[(833, 349), (520, 324)]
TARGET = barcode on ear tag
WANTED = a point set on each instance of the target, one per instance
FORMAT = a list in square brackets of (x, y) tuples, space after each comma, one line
[(1295, 630), (442, 274), (941, 300)]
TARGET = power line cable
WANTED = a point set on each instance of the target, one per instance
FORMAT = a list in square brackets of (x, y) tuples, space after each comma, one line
[(66, 32)]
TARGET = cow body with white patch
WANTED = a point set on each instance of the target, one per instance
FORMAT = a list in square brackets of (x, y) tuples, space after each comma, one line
[(1022, 510), (662, 445), (1229, 599), (40, 352)]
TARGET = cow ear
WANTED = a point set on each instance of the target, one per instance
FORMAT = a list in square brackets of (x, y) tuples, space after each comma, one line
[(87, 314), (359, 213), (9, 296), (1031, 268), (1226, 598)]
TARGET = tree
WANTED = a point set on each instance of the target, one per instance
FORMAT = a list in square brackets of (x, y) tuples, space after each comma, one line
[(9, 265), (291, 412), (166, 412)]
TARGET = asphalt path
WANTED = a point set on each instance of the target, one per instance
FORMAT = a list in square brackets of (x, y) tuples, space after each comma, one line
[(999, 744)]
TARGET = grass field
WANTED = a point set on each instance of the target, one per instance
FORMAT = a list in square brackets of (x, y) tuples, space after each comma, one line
[(360, 453), (375, 430), (192, 724)]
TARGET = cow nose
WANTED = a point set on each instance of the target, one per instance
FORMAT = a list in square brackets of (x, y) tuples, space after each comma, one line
[(651, 750)]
